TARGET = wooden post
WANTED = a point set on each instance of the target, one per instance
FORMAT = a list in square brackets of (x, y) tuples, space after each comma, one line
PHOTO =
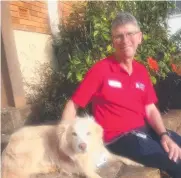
[(12, 78)]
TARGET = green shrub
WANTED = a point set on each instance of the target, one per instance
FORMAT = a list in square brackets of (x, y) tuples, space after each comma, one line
[(90, 40), (85, 38)]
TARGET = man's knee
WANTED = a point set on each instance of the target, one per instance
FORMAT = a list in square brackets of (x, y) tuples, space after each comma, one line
[(162, 162), (176, 172)]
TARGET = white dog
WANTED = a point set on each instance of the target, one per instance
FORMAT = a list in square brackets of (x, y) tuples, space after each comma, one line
[(75, 146)]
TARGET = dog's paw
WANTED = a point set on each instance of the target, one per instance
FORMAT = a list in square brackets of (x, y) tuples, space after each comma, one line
[(138, 164), (95, 176), (128, 162), (53, 169), (92, 175), (65, 173)]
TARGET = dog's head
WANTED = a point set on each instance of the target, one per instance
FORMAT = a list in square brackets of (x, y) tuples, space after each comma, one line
[(80, 135)]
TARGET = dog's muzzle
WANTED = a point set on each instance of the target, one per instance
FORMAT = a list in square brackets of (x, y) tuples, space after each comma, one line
[(82, 146)]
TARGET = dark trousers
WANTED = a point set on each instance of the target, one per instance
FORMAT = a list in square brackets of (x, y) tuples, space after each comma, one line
[(143, 146)]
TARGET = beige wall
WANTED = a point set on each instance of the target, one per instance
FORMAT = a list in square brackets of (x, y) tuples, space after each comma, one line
[(34, 50)]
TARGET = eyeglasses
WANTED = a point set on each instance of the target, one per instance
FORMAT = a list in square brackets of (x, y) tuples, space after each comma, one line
[(128, 35)]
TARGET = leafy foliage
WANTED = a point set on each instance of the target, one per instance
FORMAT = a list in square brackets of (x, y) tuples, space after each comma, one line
[(85, 38), (90, 40)]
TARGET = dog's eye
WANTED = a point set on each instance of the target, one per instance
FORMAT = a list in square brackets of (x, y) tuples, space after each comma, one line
[(74, 134), (88, 133)]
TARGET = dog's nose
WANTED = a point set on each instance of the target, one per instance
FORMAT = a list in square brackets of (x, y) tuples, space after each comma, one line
[(82, 146)]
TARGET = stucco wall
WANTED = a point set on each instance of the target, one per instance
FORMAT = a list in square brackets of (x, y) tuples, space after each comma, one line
[(34, 50)]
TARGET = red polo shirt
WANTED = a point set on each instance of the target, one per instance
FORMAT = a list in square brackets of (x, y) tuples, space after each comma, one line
[(118, 99)]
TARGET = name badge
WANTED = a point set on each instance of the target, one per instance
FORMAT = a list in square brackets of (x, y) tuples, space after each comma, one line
[(114, 83)]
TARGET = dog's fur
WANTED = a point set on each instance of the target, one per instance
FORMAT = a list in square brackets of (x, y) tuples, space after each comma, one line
[(73, 146)]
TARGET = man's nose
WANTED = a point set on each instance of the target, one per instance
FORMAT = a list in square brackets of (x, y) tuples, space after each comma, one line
[(124, 38)]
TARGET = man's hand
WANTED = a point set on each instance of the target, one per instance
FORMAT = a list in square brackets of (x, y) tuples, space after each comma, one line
[(173, 150), (156, 122)]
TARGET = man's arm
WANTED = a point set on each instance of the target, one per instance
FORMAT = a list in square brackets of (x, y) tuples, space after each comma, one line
[(84, 92), (70, 110), (155, 121)]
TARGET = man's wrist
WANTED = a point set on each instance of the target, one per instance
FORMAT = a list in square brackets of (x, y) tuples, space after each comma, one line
[(163, 134)]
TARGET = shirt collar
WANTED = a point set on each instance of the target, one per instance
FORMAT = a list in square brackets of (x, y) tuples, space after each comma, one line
[(116, 67)]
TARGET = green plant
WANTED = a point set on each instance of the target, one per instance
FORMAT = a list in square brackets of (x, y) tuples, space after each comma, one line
[(85, 38), (90, 40)]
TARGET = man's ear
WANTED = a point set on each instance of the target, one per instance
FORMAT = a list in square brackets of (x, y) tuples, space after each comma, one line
[(140, 37)]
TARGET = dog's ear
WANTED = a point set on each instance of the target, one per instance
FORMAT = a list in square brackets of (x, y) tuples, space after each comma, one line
[(61, 131), (61, 128), (99, 130)]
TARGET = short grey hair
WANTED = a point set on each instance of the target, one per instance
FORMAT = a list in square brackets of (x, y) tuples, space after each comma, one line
[(123, 18)]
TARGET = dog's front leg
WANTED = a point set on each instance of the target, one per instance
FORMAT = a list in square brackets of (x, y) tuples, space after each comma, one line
[(90, 174), (88, 170), (128, 161), (124, 160)]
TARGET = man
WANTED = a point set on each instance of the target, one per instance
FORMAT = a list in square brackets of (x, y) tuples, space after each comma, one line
[(122, 96)]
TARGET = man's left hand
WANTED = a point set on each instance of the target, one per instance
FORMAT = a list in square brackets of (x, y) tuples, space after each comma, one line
[(173, 150)]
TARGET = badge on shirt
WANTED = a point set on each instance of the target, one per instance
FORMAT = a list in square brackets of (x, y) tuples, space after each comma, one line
[(114, 83), (140, 86)]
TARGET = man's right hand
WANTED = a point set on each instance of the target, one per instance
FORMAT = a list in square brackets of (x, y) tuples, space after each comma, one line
[(173, 150)]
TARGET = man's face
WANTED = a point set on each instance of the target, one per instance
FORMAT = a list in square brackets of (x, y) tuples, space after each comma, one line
[(126, 39)]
